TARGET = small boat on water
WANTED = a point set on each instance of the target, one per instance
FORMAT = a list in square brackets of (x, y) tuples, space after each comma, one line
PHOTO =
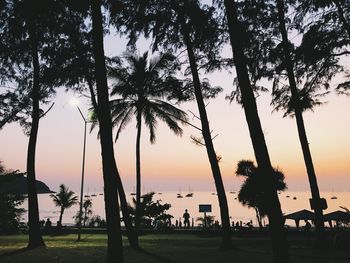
[(333, 196), (179, 195), (94, 194), (190, 193), (287, 196), (294, 198)]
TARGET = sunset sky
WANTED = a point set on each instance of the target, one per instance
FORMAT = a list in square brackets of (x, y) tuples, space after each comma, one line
[(174, 162)]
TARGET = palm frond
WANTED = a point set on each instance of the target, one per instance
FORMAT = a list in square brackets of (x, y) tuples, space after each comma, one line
[(122, 124), (151, 122)]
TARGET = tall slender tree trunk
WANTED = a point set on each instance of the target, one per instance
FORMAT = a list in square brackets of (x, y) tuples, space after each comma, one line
[(346, 24), (61, 216), (110, 172), (130, 231), (278, 235), (300, 121), (224, 214), (35, 237), (138, 172)]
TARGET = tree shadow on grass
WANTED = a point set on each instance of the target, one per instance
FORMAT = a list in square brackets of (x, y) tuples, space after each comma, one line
[(155, 256), (14, 252)]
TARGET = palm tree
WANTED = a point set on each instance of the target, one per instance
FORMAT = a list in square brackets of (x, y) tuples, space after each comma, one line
[(64, 199), (236, 33), (251, 193), (77, 73), (142, 86), (188, 24)]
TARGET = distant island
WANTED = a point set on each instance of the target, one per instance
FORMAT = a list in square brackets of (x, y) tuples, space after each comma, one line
[(17, 184)]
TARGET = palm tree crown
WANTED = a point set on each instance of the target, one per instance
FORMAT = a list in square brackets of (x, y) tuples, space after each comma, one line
[(64, 198), (142, 85)]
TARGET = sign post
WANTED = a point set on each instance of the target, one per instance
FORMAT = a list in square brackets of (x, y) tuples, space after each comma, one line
[(204, 209)]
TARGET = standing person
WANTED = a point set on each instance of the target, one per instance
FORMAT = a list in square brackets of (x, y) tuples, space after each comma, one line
[(307, 226), (186, 217), (48, 224)]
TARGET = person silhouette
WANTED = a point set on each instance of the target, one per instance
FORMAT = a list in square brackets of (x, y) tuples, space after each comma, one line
[(186, 217), (48, 225), (307, 226)]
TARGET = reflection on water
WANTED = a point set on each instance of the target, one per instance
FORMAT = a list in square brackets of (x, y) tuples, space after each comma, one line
[(290, 202)]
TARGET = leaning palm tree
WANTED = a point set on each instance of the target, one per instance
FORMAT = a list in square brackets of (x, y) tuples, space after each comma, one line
[(64, 199), (143, 86)]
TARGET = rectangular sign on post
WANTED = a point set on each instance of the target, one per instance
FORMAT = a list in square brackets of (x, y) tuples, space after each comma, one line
[(205, 208)]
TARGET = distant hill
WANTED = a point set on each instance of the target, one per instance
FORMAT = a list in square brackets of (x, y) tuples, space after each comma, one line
[(17, 184)]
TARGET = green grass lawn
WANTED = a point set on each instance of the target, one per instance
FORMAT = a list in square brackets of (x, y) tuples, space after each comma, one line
[(160, 248)]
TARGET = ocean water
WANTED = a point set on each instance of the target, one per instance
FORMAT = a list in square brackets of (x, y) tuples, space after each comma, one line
[(296, 201)]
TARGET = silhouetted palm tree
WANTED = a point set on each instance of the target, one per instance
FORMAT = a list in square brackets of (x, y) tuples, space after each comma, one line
[(251, 193), (77, 74), (143, 86), (191, 25), (64, 199)]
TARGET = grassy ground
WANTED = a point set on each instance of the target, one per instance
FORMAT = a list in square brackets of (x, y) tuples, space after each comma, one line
[(179, 248)]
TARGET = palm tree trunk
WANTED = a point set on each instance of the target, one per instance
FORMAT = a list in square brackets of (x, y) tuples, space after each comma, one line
[(342, 18), (61, 216), (225, 219), (110, 172), (130, 231), (138, 172), (278, 235), (35, 238), (300, 122)]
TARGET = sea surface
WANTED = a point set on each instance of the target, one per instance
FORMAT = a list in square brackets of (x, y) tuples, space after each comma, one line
[(290, 202)]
